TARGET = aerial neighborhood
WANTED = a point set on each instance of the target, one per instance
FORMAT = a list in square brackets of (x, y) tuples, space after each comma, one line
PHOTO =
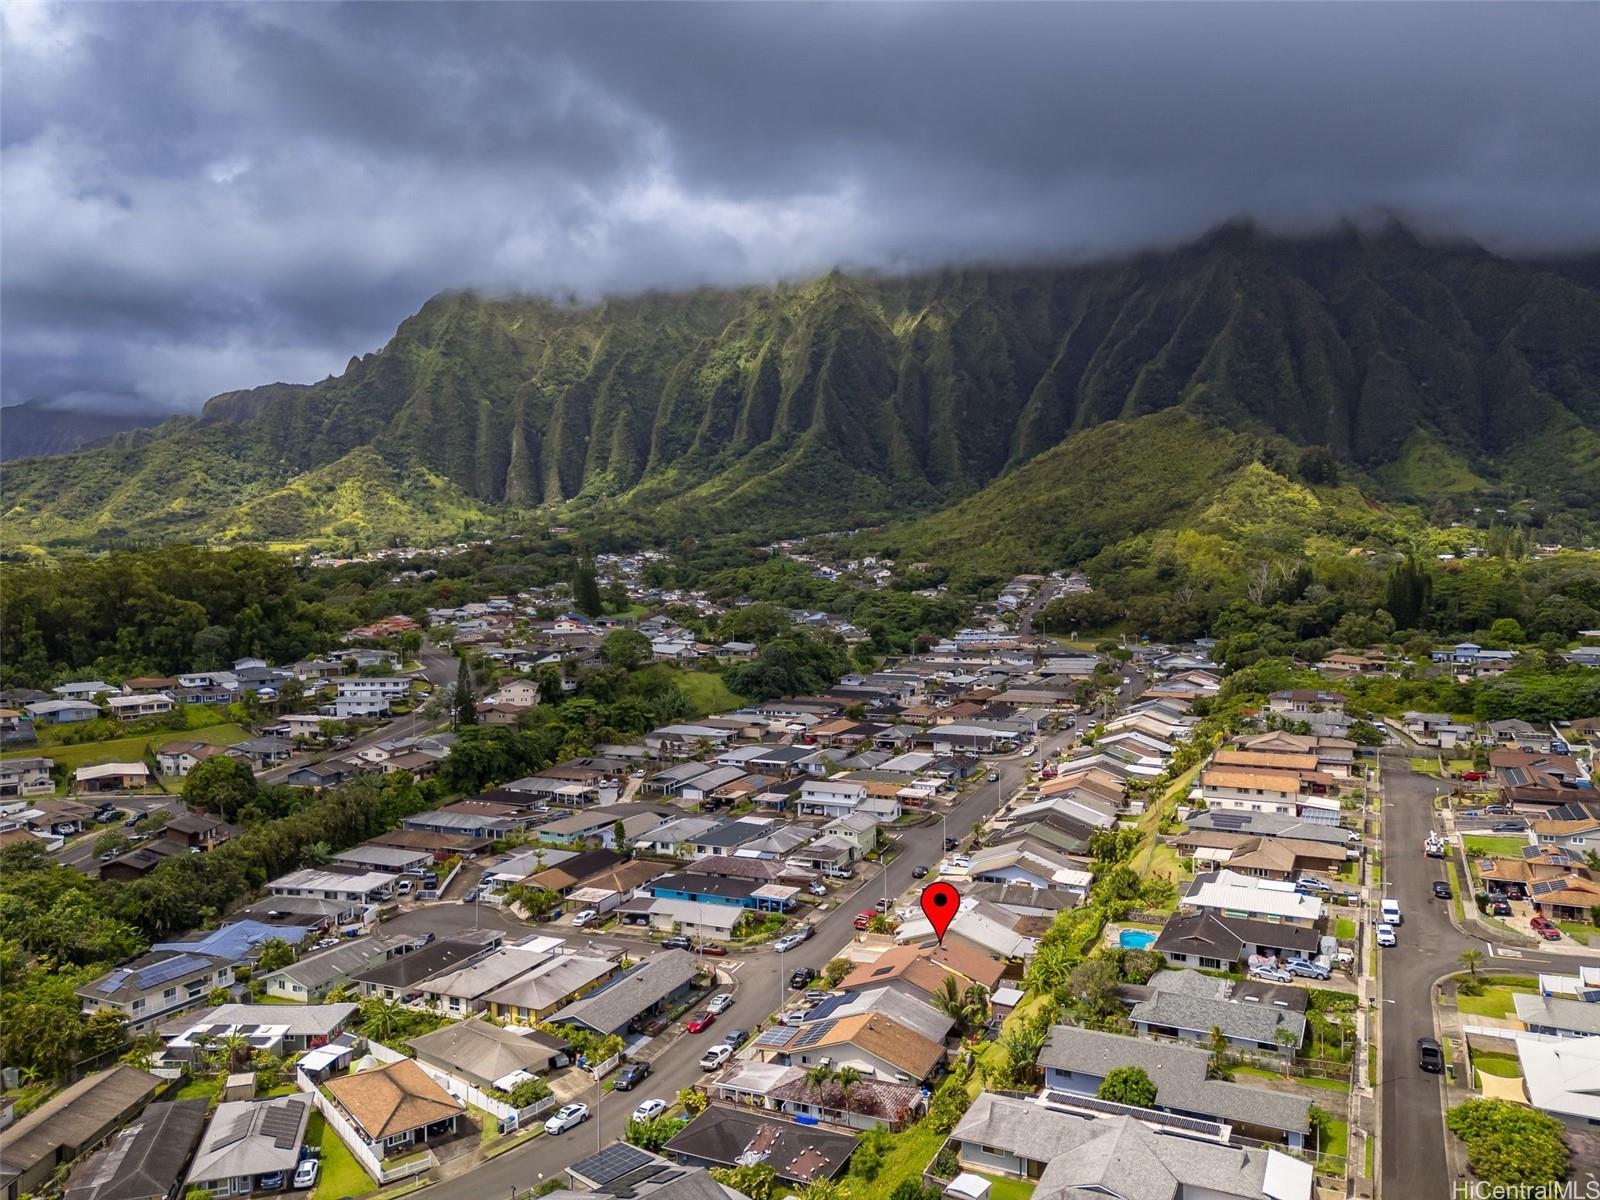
[(698, 920)]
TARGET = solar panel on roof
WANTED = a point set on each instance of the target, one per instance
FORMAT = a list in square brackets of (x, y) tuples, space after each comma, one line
[(114, 980), (810, 1035), (281, 1123), (612, 1163), (1113, 1109), (172, 968)]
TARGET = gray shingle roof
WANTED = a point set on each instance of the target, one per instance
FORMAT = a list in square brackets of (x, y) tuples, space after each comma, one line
[(611, 1007), (1187, 1000)]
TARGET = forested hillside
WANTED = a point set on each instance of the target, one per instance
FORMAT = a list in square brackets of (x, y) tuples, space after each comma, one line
[(1428, 371)]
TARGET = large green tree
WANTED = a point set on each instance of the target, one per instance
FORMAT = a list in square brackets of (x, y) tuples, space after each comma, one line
[(1128, 1085), (222, 785)]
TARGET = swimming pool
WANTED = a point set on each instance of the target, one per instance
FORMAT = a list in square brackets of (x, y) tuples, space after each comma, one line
[(1135, 939)]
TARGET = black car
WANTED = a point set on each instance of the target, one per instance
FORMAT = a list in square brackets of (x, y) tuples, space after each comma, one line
[(1441, 889), (951, 843), (1430, 1055), (677, 941), (802, 977), (631, 1076), (919, 872), (1500, 908)]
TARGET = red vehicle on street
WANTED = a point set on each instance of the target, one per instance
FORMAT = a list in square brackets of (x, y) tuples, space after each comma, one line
[(700, 1020), (712, 949), (863, 919), (1474, 775)]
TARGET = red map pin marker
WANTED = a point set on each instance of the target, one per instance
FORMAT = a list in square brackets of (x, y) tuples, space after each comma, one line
[(939, 904)]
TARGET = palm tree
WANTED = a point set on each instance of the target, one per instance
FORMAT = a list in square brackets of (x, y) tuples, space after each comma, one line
[(1470, 958), (818, 1078), (846, 1078), (316, 854)]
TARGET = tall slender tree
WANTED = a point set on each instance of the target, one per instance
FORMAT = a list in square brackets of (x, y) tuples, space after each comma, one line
[(465, 701)]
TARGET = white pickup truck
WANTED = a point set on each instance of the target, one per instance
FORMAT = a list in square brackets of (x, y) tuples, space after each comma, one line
[(1390, 913)]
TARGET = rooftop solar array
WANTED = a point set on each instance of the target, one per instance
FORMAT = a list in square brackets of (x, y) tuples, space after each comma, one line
[(612, 1163), (1208, 1129), (281, 1123)]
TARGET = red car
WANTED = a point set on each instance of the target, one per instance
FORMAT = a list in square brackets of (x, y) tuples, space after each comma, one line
[(700, 1021), (1539, 921), (864, 919), (1474, 775), (708, 948)]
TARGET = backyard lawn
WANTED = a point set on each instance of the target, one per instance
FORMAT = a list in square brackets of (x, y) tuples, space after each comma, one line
[(1504, 1065), (1001, 1188), (131, 749), (1337, 1139), (1481, 846), (1578, 933), (707, 693), (1344, 928), (341, 1174), (1327, 1085)]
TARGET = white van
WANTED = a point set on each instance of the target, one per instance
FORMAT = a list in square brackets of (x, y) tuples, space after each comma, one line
[(1391, 913)]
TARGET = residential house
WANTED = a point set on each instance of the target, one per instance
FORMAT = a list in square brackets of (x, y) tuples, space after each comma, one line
[(1076, 1062), (1133, 1155), (250, 1143), (873, 1043), (1264, 857), (1262, 1018), (1236, 895), (402, 977), (26, 777), (356, 887), (729, 1136), (487, 1056), (636, 995), (146, 1159), (735, 893), (1213, 942), (310, 979), (280, 1029), (179, 758), (537, 994), (1562, 1078), (396, 1107), (198, 831), (69, 1124), (61, 712), (112, 777), (154, 986)]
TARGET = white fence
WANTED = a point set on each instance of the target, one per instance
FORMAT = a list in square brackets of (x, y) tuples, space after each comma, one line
[(357, 1145), (601, 1069)]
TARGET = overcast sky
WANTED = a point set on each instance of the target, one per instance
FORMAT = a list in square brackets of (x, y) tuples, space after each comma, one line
[(201, 197)]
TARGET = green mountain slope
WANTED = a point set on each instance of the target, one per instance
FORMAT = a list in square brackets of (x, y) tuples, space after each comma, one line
[(848, 400)]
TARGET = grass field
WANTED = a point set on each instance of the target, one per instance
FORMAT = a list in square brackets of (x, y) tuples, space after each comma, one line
[(1327, 1085), (1495, 1002), (707, 693), (1578, 933), (1344, 928), (1336, 1140), (1504, 1065), (1494, 846), (131, 749), (341, 1174), (1425, 766)]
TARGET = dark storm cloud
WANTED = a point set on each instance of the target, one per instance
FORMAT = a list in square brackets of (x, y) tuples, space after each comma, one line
[(202, 197)]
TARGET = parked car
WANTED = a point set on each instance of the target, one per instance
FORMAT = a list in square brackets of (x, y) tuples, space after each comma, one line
[(701, 1021), (1441, 889), (1508, 827), (715, 1057), (1550, 933), (817, 888), (919, 872), (568, 1116), (1306, 968), (1271, 975), (994, 776), (583, 916), (951, 843), (720, 1003), (1500, 908), (794, 1017), (649, 1110), (405, 887), (863, 919), (631, 1076), (1430, 1055), (676, 942), (1474, 775), (1386, 935), (711, 948), (108, 856), (816, 995), (269, 1182), (305, 1175), (786, 943), (735, 1037), (802, 977), (1539, 921), (471, 895)]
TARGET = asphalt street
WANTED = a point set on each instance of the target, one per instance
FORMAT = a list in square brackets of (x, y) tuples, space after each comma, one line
[(760, 987), (1412, 1100)]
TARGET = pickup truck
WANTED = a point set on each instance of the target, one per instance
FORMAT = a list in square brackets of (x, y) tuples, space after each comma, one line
[(1390, 913)]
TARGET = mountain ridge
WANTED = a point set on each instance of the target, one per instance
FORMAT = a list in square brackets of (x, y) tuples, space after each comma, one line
[(851, 399)]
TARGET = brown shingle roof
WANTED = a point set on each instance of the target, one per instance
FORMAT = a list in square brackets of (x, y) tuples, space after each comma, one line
[(394, 1099)]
